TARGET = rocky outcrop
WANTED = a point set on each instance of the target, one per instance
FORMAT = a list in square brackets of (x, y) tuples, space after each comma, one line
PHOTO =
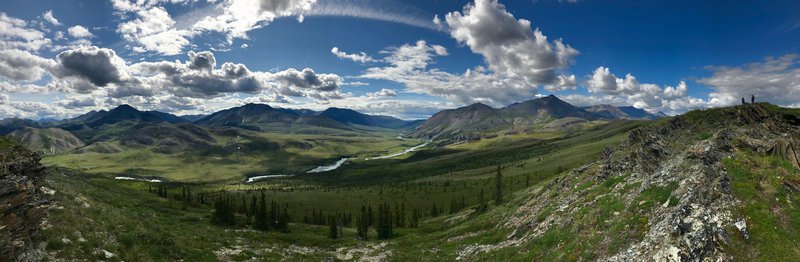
[(22, 205), (664, 194)]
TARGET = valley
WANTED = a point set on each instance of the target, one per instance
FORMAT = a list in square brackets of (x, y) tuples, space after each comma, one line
[(492, 196)]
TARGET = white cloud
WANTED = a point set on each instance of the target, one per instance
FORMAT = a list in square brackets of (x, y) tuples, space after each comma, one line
[(4, 99), (774, 80), (360, 57), (18, 65), (17, 34), (79, 32), (244, 46), (563, 83), (607, 88), (383, 93), (154, 30), (48, 16), (408, 64), (509, 45)]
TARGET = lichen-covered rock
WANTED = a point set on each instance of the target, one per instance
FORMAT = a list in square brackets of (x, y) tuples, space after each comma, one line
[(22, 206)]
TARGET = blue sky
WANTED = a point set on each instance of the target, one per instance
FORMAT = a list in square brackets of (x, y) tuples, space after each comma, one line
[(62, 58)]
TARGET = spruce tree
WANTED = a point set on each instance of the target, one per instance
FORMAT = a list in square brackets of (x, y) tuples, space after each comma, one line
[(363, 224), (498, 188), (261, 220), (333, 232)]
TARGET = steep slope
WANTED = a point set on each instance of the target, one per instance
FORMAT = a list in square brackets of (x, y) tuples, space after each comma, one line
[(167, 117), (465, 120), (472, 120), (123, 113), (714, 185), (264, 117), (543, 110), (169, 138), (23, 205), (349, 116), (10, 124), (248, 115), (46, 141), (622, 112)]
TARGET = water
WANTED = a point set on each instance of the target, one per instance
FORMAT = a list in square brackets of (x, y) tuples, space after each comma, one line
[(327, 168), (408, 150), (256, 178), (138, 179)]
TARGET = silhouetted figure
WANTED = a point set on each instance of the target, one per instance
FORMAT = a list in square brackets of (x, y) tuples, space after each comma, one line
[(753, 99), (743, 102)]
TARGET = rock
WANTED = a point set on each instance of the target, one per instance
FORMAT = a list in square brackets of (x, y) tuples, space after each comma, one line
[(22, 205), (742, 226)]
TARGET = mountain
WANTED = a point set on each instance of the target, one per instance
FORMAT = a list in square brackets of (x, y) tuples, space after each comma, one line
[(349, 116), (169, 118), (545, 109), (192, 118), (469, 119), (89, 116), (46, 141), (10, 124), (248, 115), (637, 113), (477, 118), (169, 138), (123, 113)]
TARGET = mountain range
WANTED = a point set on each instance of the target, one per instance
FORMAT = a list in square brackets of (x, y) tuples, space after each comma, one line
[(130, 127), (479, 119)]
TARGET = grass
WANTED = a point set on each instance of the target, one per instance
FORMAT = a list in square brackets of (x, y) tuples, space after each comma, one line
[(768, 207)]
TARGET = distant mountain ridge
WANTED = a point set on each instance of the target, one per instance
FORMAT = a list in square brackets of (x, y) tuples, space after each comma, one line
[(477, 118)]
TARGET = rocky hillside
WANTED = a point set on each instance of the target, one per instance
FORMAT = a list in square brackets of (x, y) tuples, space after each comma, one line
[(46, 141), (22, 206), (714, 185)]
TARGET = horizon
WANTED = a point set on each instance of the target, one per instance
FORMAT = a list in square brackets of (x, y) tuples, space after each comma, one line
[(405, 59)]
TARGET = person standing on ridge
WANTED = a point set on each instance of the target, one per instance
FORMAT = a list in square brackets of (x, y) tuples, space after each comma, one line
[(752, 99), (743, 102)]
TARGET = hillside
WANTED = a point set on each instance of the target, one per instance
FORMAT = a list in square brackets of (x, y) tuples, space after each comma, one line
[(46, 141), (714, 185), (476, 120), (349, 116)]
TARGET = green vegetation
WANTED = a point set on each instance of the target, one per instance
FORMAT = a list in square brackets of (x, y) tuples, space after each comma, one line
[(768, 189)]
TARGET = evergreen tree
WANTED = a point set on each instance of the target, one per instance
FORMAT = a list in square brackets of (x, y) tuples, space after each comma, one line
[(363, 224), (482, 206), (527, 180), (498, 189), (261, 220), (333, 228), (384, 221)]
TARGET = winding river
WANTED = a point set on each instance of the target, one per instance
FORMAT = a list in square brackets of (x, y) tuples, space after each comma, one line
[(339, 163)]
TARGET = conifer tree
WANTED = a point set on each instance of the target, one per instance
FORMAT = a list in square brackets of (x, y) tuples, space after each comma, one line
[(498, 188), (261, 220), (363, 224)]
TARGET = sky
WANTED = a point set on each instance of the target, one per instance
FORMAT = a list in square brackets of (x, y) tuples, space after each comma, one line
[(408, 59)]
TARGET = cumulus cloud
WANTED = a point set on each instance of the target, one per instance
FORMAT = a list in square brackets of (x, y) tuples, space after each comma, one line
[(18, 65), (48, 16), (509, 45), (16, 33), (563, 83), (4, 99), (360, 57), (409, 65), (308, 79), (607, 88), (79, 32), (383, 93), (154, 30), (100, 66), (775, 80)]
